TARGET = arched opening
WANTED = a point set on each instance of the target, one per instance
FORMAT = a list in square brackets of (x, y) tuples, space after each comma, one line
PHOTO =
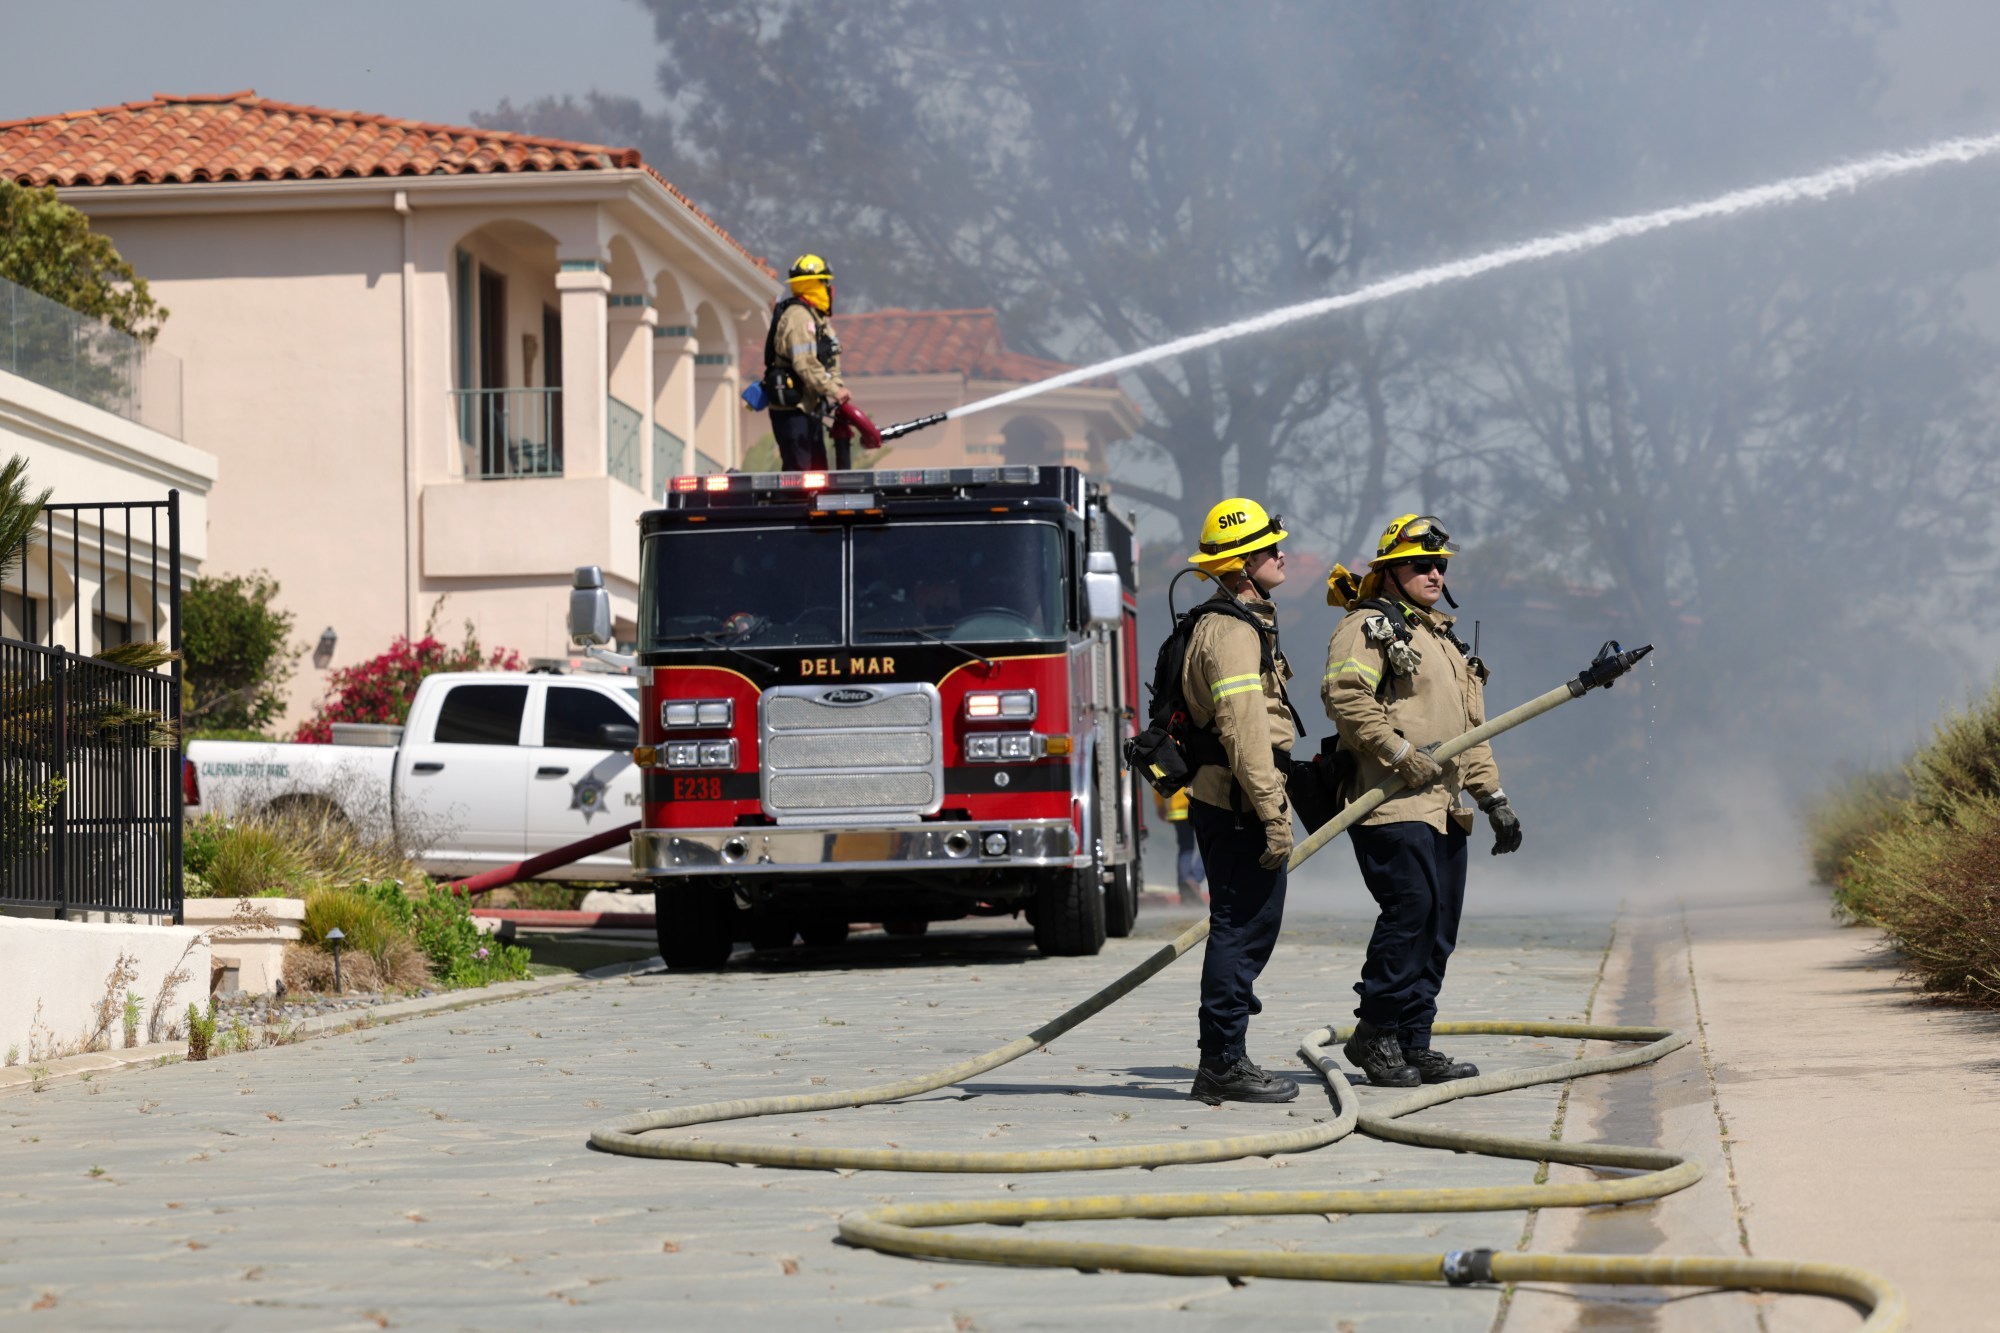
[(1031, 440), (506, 351)]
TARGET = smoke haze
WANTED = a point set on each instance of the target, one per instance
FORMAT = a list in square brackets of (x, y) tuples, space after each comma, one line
[(1767, 444)]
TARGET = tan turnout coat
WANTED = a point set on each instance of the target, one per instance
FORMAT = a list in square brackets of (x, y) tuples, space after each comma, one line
[(797, 346), (1225, 686), (1444, 698)]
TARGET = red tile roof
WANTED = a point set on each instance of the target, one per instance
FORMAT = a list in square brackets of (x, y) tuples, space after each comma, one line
[(927, 342), (243, 137)]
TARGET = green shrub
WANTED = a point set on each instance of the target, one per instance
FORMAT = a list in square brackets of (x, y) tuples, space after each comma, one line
[(366, 927), (253, 861), (1846, 818), (236, 660), (1962, 759), (449, 939), (1935, 889)]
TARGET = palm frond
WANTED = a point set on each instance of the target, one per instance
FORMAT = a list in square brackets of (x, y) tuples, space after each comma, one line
[(18, 513)]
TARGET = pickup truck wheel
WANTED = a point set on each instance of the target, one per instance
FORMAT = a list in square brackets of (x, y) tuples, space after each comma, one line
[(1069, 914), (1121, 900), (696, 927), (823, 934)]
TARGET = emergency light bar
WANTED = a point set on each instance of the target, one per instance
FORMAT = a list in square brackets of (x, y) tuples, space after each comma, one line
[(755, 486)]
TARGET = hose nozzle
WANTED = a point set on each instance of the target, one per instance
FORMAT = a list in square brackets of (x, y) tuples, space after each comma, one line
[(1609, 664), (902, 428)]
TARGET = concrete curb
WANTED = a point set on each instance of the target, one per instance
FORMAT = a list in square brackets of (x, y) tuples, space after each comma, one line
[(17, 1078)]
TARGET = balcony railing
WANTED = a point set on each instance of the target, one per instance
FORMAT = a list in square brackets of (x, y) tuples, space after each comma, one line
[(622, 459), (668, 451), (85, 358), (511, 432)]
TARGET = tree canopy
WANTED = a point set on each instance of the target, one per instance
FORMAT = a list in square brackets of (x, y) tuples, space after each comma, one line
[(49, 248)]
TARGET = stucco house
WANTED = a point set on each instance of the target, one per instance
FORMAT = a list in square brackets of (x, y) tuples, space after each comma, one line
[(430, 359), (903, 364)]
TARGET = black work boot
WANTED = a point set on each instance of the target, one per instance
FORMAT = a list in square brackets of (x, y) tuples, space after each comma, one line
[(1240, 1081), (1376, 1053), (1437, 1067)]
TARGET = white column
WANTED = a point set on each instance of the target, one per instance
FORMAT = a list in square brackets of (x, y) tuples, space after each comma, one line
[(674, 348), (716, 407), (629, 338), (585, 290)]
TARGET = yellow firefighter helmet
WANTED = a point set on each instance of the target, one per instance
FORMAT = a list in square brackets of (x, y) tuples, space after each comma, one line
[(1232, 530), (1412, 537), (808, 269)]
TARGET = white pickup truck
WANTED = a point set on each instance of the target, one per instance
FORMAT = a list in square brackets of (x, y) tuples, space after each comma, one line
[(491, 767)]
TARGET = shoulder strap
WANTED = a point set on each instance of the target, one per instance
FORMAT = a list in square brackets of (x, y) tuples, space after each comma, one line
[(771, 334)]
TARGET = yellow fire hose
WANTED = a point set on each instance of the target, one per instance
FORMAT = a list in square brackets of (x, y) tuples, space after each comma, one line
[(920, 1229)]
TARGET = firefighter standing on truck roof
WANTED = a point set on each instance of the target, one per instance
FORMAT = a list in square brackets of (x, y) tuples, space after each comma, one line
[(1233, 687), (1398, 683), (802, 369)]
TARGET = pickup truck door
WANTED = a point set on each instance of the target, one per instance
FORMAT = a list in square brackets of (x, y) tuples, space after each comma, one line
[(582, 779), (461, 791)]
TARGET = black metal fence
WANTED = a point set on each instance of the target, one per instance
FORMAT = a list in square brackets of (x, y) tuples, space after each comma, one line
[(90, 750)]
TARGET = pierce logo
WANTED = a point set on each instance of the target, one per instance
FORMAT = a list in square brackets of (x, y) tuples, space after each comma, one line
[(848, 697), (1236, 519)]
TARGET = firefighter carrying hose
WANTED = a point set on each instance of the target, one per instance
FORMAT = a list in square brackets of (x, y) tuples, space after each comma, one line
[(802, 383), (1399, 682), (1233, 687)]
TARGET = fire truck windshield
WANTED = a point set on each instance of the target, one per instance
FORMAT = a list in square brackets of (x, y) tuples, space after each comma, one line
[(962, 582), (741, 588)]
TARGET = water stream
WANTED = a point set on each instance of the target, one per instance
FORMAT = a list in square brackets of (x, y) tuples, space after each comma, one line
[(1843, 179)]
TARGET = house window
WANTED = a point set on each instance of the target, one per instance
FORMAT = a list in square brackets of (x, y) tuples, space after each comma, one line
[(111, 632)]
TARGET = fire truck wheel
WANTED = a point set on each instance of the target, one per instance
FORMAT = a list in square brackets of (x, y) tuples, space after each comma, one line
[(697, 927), (1121, 900), (1069, 914), (824, 934)]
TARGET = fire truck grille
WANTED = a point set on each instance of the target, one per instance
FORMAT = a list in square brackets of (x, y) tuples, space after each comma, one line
[(808, 712), (838, 792), (900, 749), (851, 754)]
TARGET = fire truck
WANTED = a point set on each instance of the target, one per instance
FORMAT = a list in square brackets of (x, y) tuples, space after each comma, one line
[(887, 696)]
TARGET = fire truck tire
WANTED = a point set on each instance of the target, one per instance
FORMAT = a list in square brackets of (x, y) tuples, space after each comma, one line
[(1069, 914), (823, 934), (697, 927), (1121, 900)]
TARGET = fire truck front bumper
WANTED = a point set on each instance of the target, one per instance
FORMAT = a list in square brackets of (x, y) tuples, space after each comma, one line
[(797, 851)]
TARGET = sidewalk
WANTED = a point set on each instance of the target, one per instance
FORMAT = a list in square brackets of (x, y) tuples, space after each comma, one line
[(1839, 1116)]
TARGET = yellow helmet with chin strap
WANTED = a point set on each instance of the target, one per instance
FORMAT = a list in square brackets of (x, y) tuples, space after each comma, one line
[(1412, 537), (1232, 530), (808, 269)]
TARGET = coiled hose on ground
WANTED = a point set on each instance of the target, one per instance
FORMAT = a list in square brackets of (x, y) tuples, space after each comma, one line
[(925, 1228)]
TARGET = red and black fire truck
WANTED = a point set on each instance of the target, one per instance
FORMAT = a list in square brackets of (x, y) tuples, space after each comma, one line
[(892, 696)]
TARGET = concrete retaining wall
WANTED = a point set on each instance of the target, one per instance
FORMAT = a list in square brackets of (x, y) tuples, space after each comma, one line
[(252, 956), (54, 974)]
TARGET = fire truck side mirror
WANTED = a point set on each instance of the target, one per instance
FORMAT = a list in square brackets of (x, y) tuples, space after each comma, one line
[(589, 606), (1101, 594)]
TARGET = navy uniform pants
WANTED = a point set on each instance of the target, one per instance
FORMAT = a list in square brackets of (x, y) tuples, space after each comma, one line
[(801, 438), (1246, 905), (1417, 878)]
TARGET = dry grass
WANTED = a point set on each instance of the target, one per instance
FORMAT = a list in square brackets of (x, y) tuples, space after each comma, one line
[(399, 966)]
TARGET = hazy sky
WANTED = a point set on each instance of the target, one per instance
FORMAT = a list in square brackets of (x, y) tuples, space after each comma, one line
[(443, 59), (436, 60)]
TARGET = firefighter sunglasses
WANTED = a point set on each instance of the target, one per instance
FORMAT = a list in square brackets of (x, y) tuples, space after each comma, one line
[(1425, 566)]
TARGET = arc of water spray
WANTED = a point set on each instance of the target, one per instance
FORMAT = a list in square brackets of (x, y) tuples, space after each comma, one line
[(1796, 189)]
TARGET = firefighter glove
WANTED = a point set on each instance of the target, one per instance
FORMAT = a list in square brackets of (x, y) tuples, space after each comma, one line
[(1415, 766), (1506, 824), (1277, 842)]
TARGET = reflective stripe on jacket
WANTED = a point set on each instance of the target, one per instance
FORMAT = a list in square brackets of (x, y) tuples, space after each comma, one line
[(796, 345), (1442, 699), (1225, 686)]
